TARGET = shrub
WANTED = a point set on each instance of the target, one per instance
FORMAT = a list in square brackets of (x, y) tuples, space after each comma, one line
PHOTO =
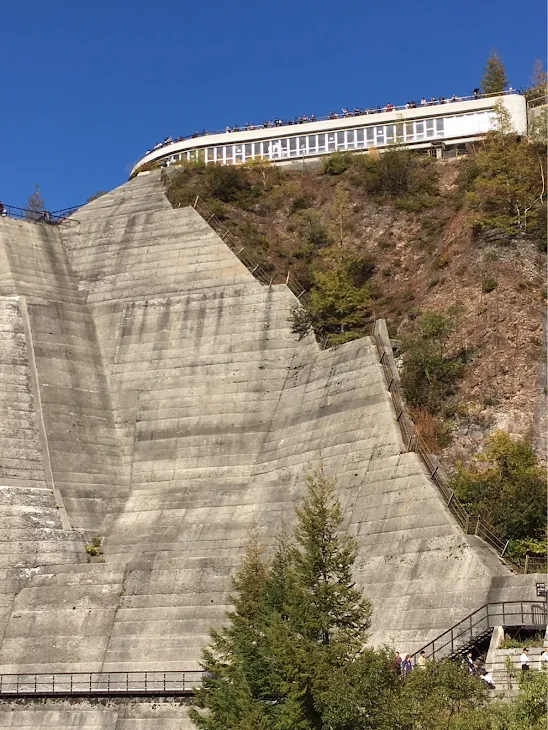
[(488, 285), (429, 377), (337, 163), (95, 547), (507, 486), (227, 183)]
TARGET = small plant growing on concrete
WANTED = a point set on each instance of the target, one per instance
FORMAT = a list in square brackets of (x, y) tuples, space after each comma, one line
[(94, 548)]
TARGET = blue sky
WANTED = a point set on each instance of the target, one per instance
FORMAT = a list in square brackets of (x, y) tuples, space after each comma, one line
[(87, 88)]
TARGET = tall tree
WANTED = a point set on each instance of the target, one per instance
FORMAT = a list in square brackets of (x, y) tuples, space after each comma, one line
[(296, 625), (494, 79), (35, 204), (509, 192)]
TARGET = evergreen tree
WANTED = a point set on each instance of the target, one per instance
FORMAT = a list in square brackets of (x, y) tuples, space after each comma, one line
[(494, 79), (295, 625), (35, 205)]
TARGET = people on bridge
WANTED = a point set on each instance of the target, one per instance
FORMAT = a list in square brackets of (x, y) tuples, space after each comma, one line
[(3, 211)]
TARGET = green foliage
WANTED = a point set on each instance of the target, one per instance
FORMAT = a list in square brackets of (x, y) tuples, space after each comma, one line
[(398, 172), (488, 285), (35, 204), (507, 486), (508, 192), (298, 626), (494, 78), (340, 300), (513, 643), (429, 376), (442, 693), (94, 548), (311, 225), (337, 163), (227, 182)]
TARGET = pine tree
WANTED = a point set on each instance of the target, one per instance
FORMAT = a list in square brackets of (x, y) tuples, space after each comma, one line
[(494, 79), (327, 607), (295, 624), (234, 660), (35, 205)]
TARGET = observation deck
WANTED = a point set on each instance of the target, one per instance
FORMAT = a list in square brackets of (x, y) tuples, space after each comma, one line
[(448, 125)]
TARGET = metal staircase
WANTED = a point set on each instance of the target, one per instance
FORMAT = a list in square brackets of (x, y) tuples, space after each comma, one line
[(477, 626)]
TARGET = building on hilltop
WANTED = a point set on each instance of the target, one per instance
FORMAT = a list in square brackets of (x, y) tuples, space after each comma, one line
[(446, 127)]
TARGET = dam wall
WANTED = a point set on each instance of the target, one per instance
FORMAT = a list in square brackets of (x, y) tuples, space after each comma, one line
[(166, 406)]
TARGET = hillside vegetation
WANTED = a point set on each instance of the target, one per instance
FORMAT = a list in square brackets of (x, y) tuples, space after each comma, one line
[(451, 253)]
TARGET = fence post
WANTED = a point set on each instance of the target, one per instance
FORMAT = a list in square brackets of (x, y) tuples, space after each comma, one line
[(526, 564), (196, 201), (476, 531), (467, 524)]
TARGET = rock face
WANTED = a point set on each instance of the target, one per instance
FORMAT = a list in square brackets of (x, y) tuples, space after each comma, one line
[(154, 395)]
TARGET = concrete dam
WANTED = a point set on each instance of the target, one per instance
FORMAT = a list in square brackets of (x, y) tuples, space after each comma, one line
[(152, 393)]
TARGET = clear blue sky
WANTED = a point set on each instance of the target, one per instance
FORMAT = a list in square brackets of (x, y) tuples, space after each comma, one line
[(86, 88)]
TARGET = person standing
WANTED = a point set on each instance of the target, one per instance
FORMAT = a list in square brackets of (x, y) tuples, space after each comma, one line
[(397, 662), (406, 666), (524, 660), (421, 661), (544, 660)]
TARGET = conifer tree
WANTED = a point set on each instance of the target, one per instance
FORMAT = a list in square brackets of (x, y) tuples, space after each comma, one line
[(494, 79), (294, 625), (35, 204)]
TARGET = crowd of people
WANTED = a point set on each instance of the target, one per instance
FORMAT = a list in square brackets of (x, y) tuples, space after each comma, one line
[(357, 112), (403, 665)]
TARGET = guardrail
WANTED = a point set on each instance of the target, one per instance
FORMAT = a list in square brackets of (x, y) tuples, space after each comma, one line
[(471, 525), (45, 217), (330, 117), (479, 624), (100, 684)]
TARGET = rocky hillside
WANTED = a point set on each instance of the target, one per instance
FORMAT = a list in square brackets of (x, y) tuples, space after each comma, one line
[(400, 236)]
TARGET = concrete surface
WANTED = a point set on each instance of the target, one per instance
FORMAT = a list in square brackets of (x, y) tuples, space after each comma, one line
[(154, 395)]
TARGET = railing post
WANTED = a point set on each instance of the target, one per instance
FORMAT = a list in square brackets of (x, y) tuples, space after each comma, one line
[(53, 682), (526, 564), (108, 682), (164, 681), (71, 677), (17, 685), (35, 683), (505, 548), (467, 524), (146, 684), (127, 681), (476, 531)]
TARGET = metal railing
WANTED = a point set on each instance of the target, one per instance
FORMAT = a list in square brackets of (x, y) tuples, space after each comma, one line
[(53, 218), (471, 525), (248, 260), (388, 108), (94, 684), (479, 624)]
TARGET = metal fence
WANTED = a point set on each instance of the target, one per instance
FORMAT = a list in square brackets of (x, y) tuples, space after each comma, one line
[(472, 525), (54, 218), (479, 624), (100, 684)]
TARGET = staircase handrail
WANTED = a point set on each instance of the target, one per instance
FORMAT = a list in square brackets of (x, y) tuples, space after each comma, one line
[(499, 610), (471, 524)]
